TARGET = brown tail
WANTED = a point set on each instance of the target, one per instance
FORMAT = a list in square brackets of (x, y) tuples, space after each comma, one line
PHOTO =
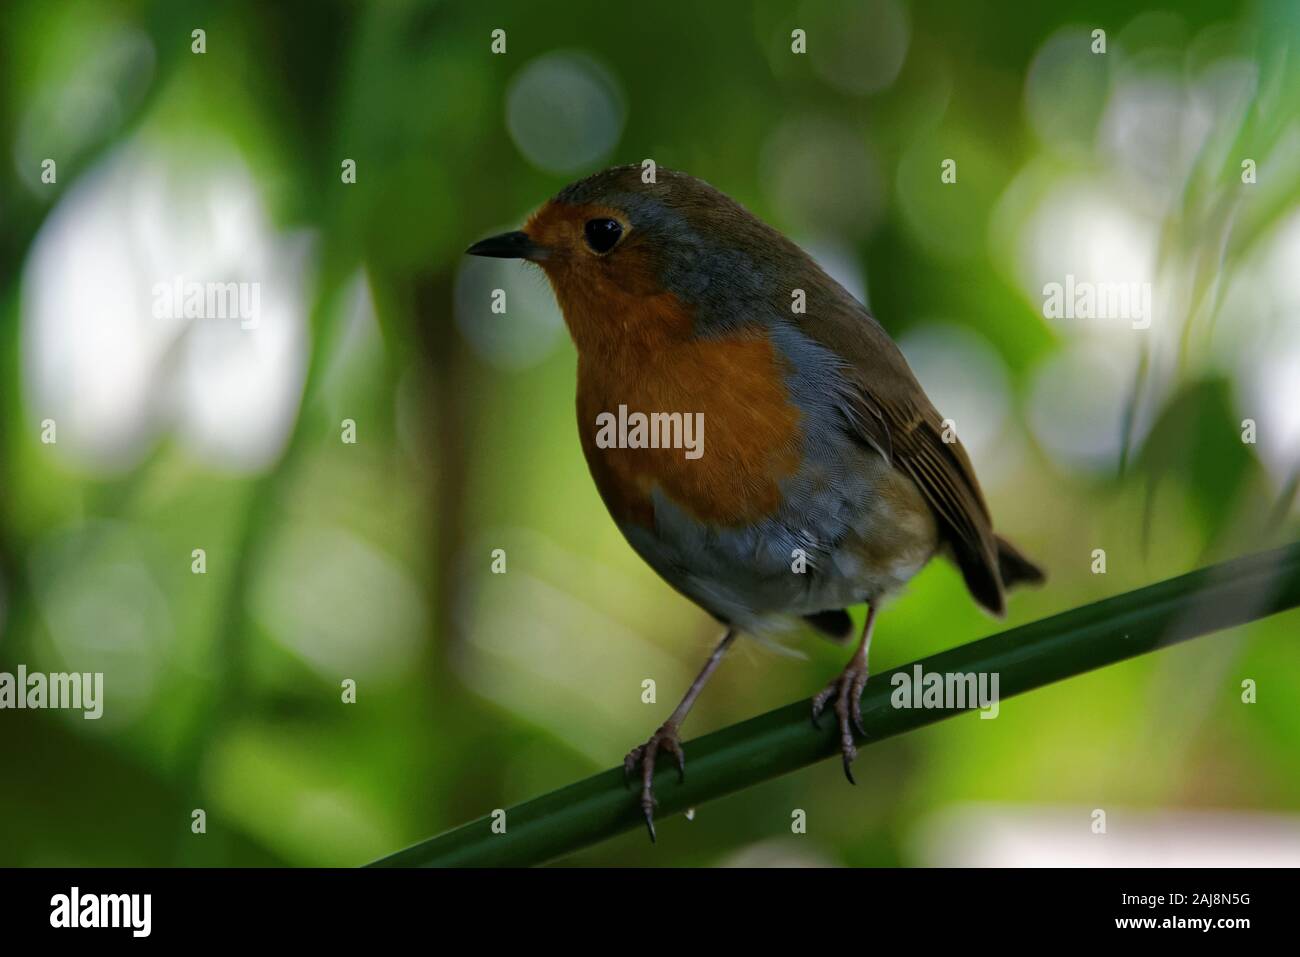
[(1015, 569)]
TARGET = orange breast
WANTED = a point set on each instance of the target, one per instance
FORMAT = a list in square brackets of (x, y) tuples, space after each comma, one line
[(751, 433)]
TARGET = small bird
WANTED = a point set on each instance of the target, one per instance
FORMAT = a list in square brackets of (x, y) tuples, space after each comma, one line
[(820, 475)]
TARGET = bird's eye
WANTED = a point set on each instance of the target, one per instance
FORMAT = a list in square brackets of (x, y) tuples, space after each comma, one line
[(602, 234)]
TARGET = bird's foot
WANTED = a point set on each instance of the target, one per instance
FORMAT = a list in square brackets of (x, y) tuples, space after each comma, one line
[(643, 757), (846, 690)]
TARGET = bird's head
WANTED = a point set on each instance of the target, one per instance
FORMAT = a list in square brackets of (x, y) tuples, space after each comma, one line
[(633, 260)]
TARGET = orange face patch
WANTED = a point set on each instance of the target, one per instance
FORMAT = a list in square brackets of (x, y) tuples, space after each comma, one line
[(610, 301)]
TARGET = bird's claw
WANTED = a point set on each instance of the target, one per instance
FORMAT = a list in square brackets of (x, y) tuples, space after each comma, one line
[(643, 757), (846, 690)]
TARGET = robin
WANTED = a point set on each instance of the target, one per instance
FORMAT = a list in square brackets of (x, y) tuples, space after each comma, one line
[(820, 475)]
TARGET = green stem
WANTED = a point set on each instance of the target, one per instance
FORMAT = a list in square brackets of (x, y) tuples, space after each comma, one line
[(1024, 658)]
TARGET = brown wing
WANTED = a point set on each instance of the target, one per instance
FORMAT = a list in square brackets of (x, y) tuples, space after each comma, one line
[(945, 476), (891, 412)]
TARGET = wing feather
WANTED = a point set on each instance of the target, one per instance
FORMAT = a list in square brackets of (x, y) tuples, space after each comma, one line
[(891, 413)]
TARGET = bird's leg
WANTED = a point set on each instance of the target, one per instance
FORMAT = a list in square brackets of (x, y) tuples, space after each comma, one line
[(666, 739), (847, 692)]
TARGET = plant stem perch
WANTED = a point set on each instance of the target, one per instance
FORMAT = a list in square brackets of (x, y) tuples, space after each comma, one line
[(1028, 657)]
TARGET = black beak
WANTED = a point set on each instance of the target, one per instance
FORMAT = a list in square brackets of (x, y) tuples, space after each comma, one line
[(514, 245)]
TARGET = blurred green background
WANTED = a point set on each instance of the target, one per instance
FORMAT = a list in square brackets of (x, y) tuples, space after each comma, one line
[(371, 561)]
